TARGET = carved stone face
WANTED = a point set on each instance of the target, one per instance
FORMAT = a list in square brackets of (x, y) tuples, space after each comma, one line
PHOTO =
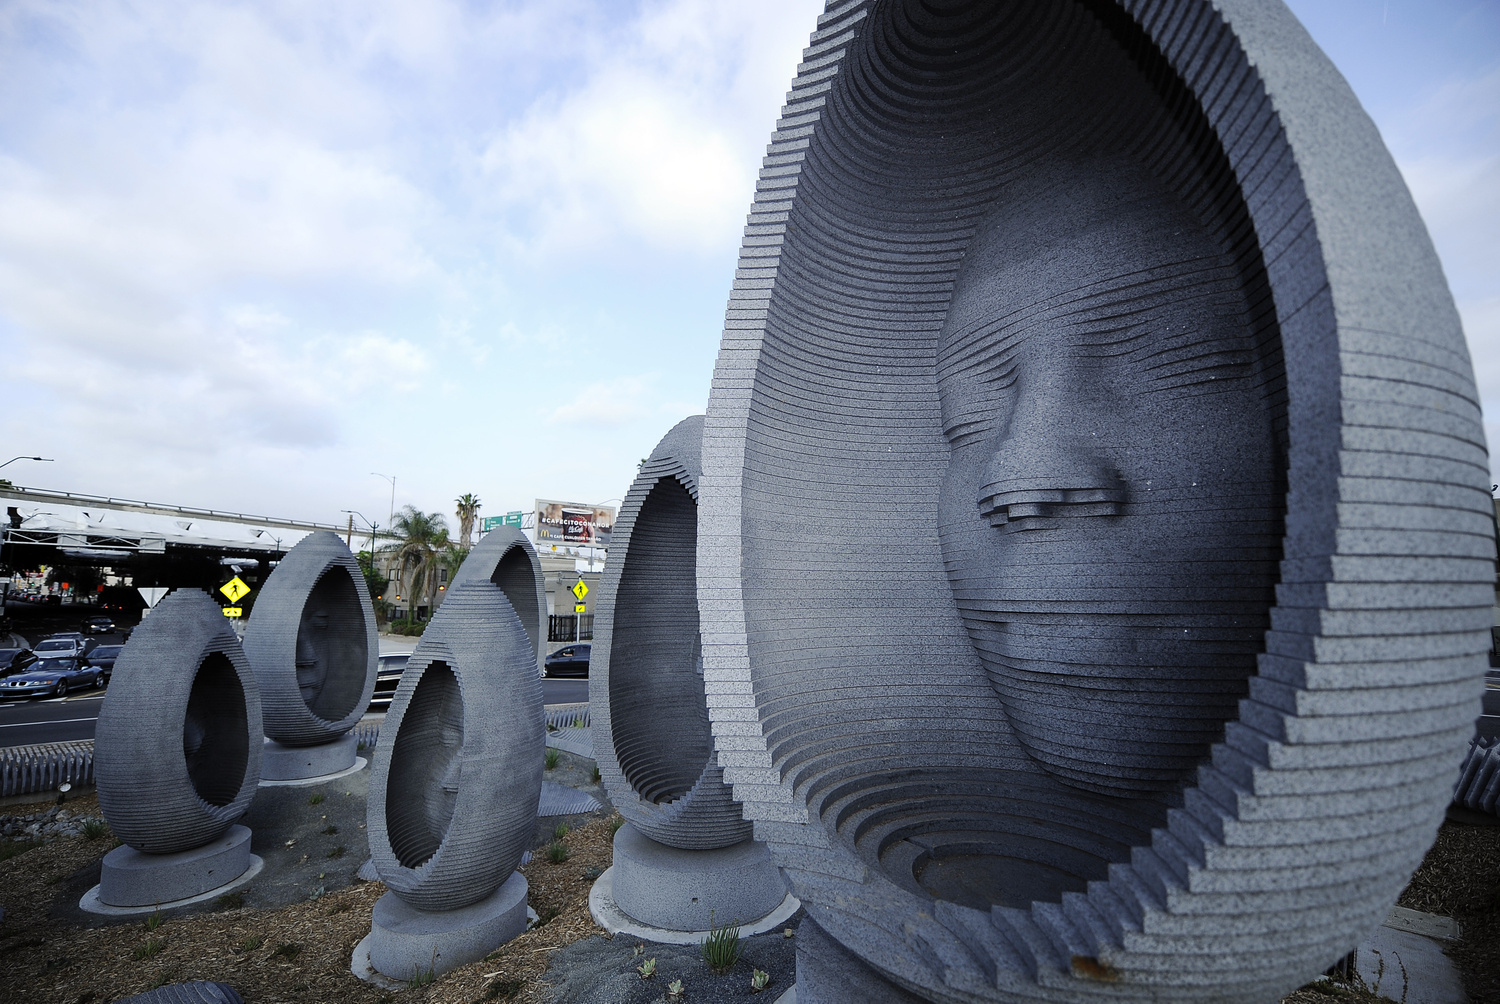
[(312, 639), (1111, 516)]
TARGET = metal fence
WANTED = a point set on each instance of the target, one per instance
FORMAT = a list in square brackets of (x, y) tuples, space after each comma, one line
[(26, 769), (570, 627)]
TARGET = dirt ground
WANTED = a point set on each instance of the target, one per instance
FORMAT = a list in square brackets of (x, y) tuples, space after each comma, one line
[(300, 953)]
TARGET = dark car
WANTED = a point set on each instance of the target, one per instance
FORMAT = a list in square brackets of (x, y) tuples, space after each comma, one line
[(97, 625), (570, 661), (387, 677), (51, 678), (15, 660), (103, 659)]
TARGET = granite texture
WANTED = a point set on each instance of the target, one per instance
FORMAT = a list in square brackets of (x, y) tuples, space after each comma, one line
[(311, 640), (128, 877), (506, 558), (195, 992), (683, 890), (406, 942), (456, 778), (288, 763), (1095, 558), (647, 667), (177, 746)]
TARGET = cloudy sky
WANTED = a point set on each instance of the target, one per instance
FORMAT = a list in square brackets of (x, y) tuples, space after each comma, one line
[(251, 253)]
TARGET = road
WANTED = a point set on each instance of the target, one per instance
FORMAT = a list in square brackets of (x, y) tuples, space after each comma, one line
[(23, 723)]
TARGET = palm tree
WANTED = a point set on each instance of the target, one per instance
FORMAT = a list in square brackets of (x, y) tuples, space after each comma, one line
[(468, 508), (421, 540)]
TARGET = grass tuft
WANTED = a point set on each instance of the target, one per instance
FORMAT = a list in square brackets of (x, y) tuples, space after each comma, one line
[(316, 799), (557, 852), (251, 943), (615, 824), (95, 828), (155, 921), (150, 948), (288, 950), (561, 830), (553, 756), (721, 949), (338, 851)]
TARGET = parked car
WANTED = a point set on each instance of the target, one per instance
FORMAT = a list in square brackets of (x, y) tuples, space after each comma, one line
[(70, 646), (570, 661), (387, 677), (103, 659), (51, 678), (97, 625), (15, 660)]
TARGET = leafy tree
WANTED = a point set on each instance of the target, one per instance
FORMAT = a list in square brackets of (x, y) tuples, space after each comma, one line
[(377, 583), (468, 509), (421, 539)]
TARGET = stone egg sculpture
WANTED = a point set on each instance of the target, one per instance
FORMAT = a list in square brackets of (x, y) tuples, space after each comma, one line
[(456, 779), (177, 758), (1095, 550), (686, 854), (311, 640)]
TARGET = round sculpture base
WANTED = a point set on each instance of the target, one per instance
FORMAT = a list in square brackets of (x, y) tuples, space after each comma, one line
[(406, 943), (131, 879), (828, 973), (674, 890), (304, 763)]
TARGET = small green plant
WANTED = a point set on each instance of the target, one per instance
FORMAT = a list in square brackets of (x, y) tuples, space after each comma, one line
[(647, 969), (615, 824), (316, 799), (338, 851), (338, 908), (578, 722), (318, 892), (288, 950), (360, 747), (557, 852), (639, 949), (95, 828), (596, 775), (150, 948), (421, 979), (553, 755), (251, 943), (561, 830), (787, 932), (721, 949), (230, 901), (330, 830), (674, 989), (155, 921), (759, 979)]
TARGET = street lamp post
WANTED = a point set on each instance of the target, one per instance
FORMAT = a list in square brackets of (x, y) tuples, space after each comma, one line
[(391, 519), (45, 460)]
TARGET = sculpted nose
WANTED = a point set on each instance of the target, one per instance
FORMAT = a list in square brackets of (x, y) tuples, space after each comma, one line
[(1039, 473)]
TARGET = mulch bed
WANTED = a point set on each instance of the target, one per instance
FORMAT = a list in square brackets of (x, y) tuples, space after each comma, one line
[(301, 953)]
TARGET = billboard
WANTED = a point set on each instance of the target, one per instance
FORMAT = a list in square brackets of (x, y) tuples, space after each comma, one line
[(573, 523)]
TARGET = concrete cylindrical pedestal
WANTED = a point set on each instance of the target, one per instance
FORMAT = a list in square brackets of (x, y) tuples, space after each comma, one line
[(692, 890), (293, 763), (828, 973), (406, 942), (129, 878)]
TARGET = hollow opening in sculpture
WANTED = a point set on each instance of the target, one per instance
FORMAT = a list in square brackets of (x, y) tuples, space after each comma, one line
[(517, 580), (216, 731), (1112, 398), (332, 654), (422, 786), (656, 656)]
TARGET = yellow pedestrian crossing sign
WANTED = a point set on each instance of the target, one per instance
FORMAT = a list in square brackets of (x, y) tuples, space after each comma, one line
[(580, 590), (235, 589)]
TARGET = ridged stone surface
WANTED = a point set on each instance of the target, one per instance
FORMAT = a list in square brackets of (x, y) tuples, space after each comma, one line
[(177, 745), (506, 558), (1095, 557), (650, 717), (311, 639), (457, 775)]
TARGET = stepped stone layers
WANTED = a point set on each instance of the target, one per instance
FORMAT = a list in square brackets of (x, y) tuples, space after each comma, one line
[(506, 558), (457, 775), (177, 746), (311, 639), (1094, 552), (650, 717)]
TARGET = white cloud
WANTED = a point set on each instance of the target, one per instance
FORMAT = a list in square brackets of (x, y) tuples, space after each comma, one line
[(622, 401)]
